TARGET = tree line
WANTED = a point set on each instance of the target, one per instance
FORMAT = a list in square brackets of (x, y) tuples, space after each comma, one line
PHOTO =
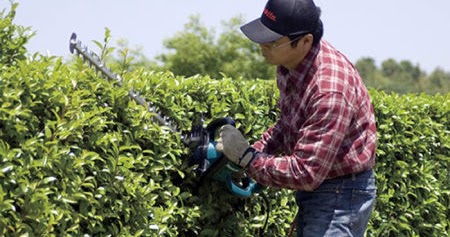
[(197, 50), (402, 77)]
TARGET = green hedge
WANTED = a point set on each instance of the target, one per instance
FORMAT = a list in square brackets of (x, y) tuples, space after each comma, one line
[(78, 156), (413, 165)]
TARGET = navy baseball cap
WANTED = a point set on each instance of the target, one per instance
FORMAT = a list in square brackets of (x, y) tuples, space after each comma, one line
[(283, 18)]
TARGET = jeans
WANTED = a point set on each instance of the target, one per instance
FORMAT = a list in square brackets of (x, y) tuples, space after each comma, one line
[(340, 207)]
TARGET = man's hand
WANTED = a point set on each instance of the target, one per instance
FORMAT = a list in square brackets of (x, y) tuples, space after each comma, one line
[(234, 146)]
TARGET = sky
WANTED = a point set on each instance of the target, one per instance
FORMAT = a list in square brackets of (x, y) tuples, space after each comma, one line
[(411, 30)]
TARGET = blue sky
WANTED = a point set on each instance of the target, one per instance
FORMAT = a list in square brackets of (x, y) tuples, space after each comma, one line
[(400, 29)]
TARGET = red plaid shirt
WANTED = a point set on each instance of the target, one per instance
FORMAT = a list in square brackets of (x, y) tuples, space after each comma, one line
[(326, 127)]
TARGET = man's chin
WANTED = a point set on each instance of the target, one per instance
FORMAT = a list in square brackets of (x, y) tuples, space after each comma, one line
[(269, 60)]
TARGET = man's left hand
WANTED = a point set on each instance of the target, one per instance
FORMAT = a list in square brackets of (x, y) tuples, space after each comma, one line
[(234, 146)]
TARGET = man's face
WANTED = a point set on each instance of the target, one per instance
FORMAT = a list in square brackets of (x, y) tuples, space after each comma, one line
[(281, 52)]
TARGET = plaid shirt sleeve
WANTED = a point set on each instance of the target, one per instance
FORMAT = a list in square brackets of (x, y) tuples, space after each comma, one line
[(270, 141), (320, 137)]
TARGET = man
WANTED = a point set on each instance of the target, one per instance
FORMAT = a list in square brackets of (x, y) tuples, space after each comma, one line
[(323, 144)]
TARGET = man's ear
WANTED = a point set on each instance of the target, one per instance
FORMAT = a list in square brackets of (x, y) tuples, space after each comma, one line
[(305, 43), (307, 40)]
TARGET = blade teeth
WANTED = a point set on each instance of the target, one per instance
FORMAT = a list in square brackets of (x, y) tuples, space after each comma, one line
[(93, 59)]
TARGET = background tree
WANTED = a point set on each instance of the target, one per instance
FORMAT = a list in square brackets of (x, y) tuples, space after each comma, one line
[(191, 51), (196, 50), (438, 81), (402, 77), (371, 75)]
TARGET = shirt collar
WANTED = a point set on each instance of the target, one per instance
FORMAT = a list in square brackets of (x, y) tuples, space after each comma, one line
[(302, 69)]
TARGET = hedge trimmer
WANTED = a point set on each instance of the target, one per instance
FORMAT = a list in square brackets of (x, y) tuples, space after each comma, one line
[(210, 163)]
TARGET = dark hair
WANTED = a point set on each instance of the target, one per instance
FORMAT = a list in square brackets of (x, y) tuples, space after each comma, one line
[(317, 33)]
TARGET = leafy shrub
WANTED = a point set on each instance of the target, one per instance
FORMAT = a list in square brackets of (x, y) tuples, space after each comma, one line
[(78, 156), (413, 165), (12, 37)]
